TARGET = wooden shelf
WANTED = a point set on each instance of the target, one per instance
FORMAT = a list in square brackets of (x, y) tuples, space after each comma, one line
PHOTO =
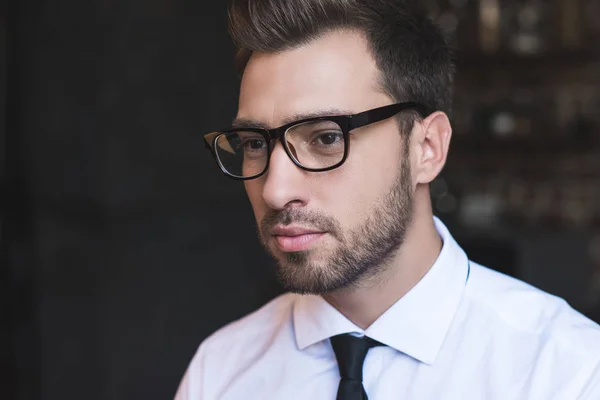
[(486, 144), (506, 60)]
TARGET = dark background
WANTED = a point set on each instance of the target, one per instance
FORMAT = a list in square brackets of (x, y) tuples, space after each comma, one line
[(122, 245), (125, 245)]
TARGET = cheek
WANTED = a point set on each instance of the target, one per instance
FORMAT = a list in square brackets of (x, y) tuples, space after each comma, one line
[(348, 194), (382, 162), (254, 193), (366, 177)]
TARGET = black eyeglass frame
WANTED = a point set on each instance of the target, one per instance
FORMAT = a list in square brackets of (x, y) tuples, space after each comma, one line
[(346, 122)]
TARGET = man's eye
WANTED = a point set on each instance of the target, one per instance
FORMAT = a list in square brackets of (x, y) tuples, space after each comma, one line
[(254, 144), (329, 138)]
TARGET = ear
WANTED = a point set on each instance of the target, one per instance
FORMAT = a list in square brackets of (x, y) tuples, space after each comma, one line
[(431, 147)]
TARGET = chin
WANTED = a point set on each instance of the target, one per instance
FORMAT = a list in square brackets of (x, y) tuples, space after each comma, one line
[(309, 277)]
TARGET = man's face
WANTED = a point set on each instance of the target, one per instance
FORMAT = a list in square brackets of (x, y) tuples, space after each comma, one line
[(328, 230)]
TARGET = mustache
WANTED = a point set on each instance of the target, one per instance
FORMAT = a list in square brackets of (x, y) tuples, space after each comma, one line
[(313, 219)]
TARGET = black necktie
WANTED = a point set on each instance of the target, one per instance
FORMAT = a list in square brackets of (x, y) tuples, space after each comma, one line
[(350, 352)]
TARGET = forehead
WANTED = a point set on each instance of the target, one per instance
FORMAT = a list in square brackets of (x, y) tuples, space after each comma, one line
[(334, 71)]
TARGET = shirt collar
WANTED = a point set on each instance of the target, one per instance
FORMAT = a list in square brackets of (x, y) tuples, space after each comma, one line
[(415, 325)]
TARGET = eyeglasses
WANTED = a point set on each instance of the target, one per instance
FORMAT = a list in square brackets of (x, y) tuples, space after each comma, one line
[(314, 144)]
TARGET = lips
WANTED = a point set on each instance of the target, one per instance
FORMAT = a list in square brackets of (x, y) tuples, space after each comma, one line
[(292, 231), (294, 238)]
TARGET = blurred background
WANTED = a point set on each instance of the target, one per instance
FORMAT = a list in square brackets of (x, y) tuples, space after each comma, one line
[(122, 245)]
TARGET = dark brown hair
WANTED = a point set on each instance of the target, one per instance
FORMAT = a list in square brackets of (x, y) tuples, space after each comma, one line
[(415, 61)]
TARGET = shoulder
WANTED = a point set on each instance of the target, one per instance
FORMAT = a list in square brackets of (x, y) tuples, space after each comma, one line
[(255, 327), (535, 334), (524, 309), (233, 348)]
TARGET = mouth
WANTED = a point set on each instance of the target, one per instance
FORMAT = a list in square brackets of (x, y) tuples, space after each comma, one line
[(293, 239)]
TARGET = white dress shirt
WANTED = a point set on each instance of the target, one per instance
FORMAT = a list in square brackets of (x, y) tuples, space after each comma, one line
[(463, 332)]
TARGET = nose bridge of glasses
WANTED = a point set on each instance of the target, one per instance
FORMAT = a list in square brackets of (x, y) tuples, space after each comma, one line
[(281, 153), (278, 134), (274, 134)]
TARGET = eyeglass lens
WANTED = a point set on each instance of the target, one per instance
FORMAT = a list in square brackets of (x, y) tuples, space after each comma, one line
[(314, 145)]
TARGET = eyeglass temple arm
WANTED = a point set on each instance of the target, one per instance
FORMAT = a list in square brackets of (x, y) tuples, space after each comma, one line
[(209, 139), (379, 114)]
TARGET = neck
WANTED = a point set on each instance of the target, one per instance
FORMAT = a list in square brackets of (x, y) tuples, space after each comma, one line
[(365, 302)]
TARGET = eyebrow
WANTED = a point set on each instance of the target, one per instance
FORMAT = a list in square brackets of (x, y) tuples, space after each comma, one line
[(254, 123)]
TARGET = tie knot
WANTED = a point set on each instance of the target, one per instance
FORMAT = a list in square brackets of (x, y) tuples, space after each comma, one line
[(350, 352)]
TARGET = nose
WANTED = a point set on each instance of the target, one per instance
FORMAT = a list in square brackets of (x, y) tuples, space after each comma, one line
[(286, 184)]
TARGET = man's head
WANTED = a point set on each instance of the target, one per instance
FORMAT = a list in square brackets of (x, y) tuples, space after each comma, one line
[(334, 229)]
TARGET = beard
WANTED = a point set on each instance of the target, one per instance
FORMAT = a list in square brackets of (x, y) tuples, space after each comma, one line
[(362, 253)]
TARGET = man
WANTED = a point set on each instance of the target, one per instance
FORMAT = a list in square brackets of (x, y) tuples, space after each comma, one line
[(342, 124)]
